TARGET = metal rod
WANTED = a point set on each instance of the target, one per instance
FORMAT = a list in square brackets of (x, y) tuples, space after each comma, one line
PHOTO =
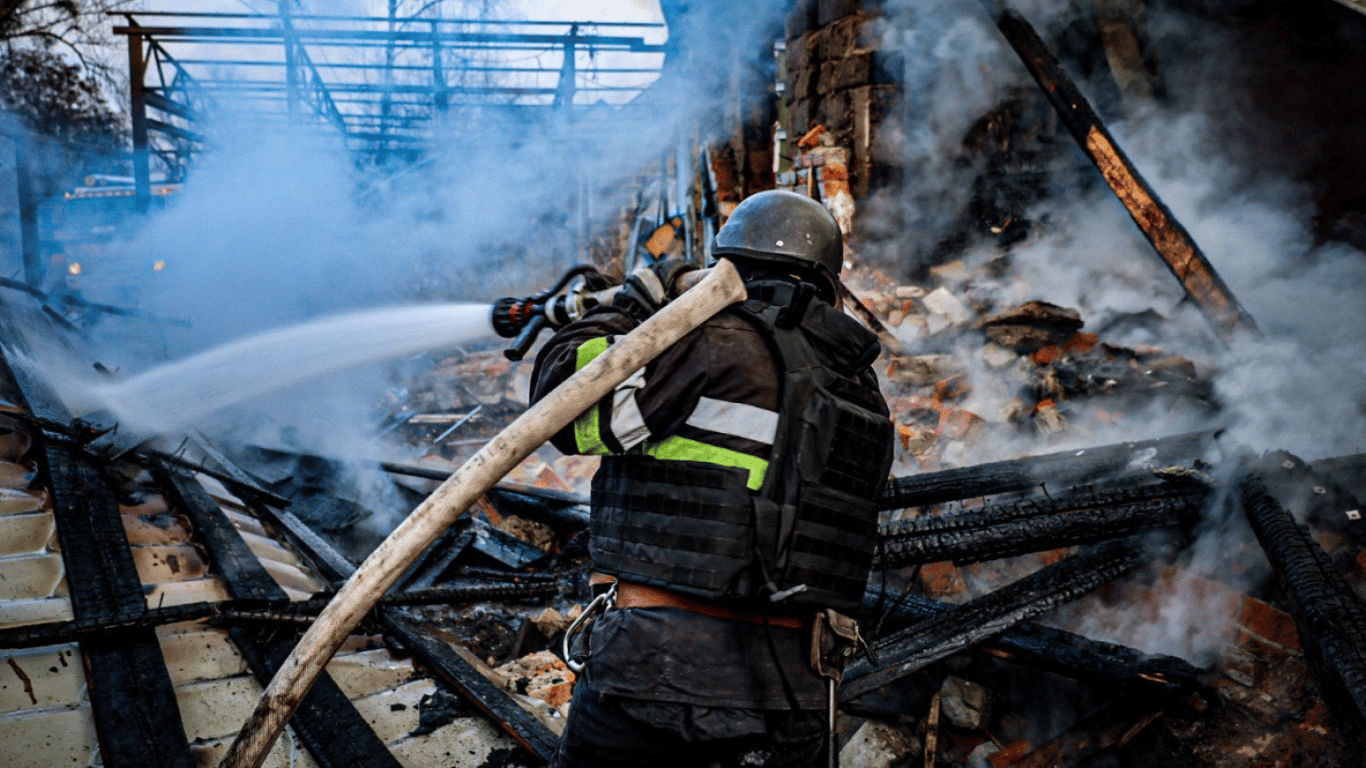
[(142, 170), (381, 19)]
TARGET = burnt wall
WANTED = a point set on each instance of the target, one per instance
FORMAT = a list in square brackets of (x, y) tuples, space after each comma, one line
[(836, 77)]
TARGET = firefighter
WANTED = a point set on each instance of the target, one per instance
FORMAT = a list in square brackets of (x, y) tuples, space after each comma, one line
[(734, 509)]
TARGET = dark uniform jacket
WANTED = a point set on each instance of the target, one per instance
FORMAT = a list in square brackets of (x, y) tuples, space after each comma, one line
[(712, 397)]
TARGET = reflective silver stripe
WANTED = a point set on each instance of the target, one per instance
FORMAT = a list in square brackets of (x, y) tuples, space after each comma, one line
[(628, 424), (739, 419)]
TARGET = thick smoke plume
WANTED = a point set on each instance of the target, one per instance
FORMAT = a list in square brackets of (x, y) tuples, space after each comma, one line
[(1220, 156)]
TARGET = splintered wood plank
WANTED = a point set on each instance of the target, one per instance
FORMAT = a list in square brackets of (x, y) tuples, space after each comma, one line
[(238, 567), (326, 721)]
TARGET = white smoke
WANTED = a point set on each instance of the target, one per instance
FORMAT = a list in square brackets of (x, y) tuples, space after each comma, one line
[(1300, 387)]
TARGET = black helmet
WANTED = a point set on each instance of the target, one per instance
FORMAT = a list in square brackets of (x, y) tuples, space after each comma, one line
[(786, 229)]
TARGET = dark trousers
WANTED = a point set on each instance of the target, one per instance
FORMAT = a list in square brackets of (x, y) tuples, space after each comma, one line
[(606, 731)]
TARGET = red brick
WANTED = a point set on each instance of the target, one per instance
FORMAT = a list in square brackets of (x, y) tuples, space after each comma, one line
[(942, 580), (1268, 623)]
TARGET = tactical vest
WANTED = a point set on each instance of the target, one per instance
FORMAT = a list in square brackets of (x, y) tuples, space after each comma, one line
[(807, 535)]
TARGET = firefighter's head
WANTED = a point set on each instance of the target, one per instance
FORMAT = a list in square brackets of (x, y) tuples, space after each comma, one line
[(778, 231)]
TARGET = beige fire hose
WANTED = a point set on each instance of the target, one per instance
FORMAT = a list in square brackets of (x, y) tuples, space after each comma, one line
[(719, 289)]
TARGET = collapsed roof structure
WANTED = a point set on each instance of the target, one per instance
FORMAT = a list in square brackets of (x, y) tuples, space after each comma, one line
[(1017, 603)]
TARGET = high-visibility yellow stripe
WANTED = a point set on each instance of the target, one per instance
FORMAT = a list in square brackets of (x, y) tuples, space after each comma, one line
[(587, 428), (589, 350), (683, 449)]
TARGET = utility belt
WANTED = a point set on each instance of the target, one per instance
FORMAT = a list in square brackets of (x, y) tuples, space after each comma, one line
[(632, 595), (835, 637)]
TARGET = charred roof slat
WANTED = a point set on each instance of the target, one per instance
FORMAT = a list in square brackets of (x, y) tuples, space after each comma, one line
[(1096, 662), (1062, 468), (963, 625), (1169, 238), (136, 713), (131, 695), (79, 630), (471, 684), (1085, 516), (242, 573), (327, 723), (1330, 617)]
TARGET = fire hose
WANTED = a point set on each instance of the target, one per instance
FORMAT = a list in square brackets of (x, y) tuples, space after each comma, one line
[(720, 288), (584, 288)]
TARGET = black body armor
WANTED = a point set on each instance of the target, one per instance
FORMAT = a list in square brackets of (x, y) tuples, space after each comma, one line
[(806, 536)]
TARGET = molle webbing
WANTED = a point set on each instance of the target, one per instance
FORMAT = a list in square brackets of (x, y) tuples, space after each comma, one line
[(680, 524)]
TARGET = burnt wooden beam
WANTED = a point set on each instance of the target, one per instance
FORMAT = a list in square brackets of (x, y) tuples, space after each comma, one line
[(962, 626), (1005, 530), (237, 481), (1058, 469), (1330, 617), (444, 663), (493, 701), (1095, 662), (1170, 239), (80, 630), (131, 695), (102, 578), (132, 699), (327, 723), (305, 611), (335, 734), (242, 573)]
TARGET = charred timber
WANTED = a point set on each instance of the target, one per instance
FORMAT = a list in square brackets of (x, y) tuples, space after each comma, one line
[(544, 504), (1006, 530), (304, 612), (1331, 619), (327, 723), (418, 637), (1171, 240), (237, 481), (78, 630), (1060, 469), (962, 626), (1105, 665)]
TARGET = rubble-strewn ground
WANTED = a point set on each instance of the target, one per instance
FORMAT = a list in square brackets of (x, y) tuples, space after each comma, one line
[(967, 381)]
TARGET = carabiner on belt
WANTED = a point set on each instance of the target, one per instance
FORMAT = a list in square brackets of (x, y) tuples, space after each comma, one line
[(602, 602)]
